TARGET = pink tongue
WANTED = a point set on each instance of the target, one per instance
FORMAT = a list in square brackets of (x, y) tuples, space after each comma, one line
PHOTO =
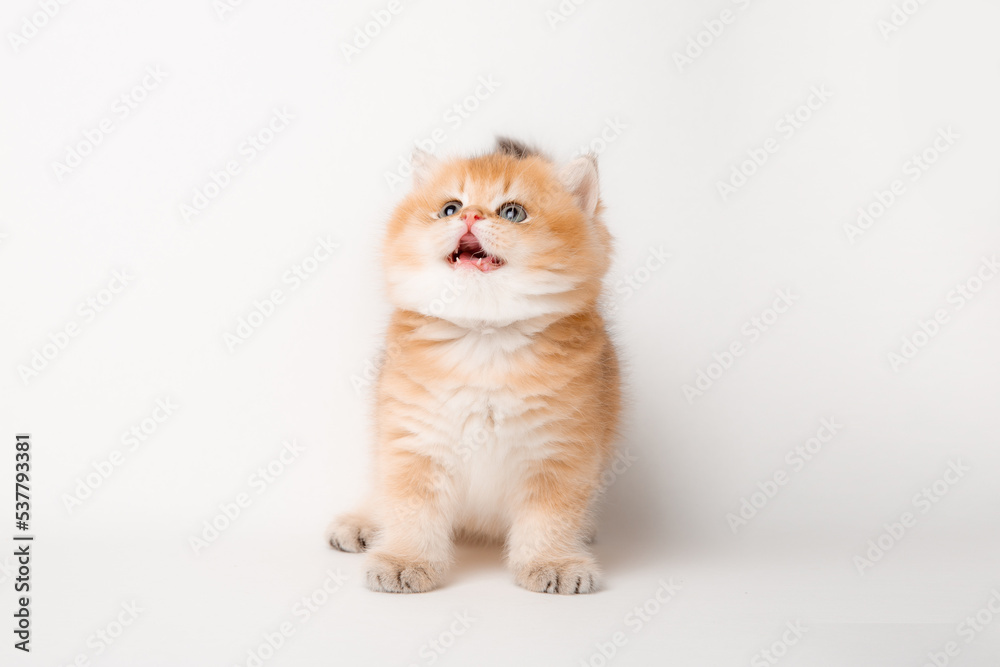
[(469, 242), (465, 257)]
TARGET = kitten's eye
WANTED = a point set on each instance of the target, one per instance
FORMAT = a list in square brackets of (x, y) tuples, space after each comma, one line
[(513, 212), (450, 209)]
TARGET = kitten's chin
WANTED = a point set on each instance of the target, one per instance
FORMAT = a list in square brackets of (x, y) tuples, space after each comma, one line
[(472, 297)]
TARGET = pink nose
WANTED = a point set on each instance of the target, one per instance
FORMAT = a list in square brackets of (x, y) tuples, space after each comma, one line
[(470, 216)]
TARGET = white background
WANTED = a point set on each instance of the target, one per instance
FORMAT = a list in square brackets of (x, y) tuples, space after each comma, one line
[(683, 129)]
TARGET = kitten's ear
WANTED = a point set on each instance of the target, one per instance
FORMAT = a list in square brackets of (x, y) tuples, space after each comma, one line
[(423, 164), (580, 178)]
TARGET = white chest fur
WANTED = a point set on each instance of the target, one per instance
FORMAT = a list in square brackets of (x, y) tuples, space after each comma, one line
[(484, 435)]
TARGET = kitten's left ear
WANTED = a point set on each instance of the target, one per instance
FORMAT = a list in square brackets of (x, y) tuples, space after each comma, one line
[(423, 164), (580, 178)]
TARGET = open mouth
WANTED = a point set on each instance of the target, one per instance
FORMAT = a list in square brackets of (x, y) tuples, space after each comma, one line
[(470, 253)]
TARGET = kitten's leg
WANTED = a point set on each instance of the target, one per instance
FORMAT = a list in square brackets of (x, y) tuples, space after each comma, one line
[(354, 531), (415, 546), (547, 544), (588, 528)]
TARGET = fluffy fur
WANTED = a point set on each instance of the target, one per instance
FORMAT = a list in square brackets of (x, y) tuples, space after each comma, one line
[(496, 408)]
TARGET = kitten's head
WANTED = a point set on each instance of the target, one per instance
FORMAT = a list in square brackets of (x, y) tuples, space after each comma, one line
[(498, 238)]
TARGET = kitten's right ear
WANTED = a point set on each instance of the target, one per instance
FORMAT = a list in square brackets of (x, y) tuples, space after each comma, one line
[(423, 164), (580, 178)]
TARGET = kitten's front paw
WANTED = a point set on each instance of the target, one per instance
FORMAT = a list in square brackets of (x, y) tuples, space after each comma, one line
[(393, 574), (566, 576), (351, 532)]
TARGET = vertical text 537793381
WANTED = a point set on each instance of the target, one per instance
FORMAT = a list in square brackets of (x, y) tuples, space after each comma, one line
[(22, 542)]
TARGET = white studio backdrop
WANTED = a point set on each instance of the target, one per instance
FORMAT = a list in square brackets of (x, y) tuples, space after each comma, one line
[(805, 205)]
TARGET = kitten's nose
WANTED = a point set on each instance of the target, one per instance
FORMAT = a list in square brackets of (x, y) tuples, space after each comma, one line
[(470, 215)]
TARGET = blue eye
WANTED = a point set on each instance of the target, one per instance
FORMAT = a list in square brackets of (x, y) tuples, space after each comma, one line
[(513, 212), (450, 209)]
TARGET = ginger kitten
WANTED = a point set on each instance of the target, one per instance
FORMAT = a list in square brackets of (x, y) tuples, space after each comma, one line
[(497, 408)]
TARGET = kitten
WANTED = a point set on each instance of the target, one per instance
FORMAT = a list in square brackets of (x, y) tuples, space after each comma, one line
[(497, 405)]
